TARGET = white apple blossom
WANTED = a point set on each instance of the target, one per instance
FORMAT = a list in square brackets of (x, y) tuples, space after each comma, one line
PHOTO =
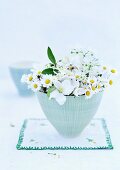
[(66, 87), (63, 89), (59, 97), (79, 91)]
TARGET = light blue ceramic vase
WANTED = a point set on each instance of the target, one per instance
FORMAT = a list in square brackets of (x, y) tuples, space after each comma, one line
[(71, 118), (16, 71)]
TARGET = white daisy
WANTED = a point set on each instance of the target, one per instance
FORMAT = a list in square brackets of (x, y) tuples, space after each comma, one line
[(35, 86), (113, 71), (88, 93), (110, 82), (47, 80), (92, 80), (27, 78)]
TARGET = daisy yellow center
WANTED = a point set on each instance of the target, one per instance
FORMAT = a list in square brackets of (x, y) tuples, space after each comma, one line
[(60, 89), (110, 82), (104, 67), (35, 86), (77, 76), (113, 71), (30, 78), (39, 72), (99, 86), (93, 88), (47, 81), (87, 93), (92, 81)]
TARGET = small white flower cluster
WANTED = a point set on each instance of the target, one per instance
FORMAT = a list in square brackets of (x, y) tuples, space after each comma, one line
[(76, 75)]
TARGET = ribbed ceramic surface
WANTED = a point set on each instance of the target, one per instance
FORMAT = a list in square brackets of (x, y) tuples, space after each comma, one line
[(71, 118)]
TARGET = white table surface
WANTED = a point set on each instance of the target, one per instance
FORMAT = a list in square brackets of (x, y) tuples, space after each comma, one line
[(14, 109)]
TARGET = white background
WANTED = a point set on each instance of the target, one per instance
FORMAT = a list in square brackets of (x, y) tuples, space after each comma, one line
[(27, 28)]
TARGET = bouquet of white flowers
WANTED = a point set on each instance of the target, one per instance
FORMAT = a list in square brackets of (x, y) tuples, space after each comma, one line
[(78, 74)]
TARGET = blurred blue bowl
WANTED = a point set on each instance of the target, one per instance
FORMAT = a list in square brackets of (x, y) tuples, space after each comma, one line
[(16, 71)]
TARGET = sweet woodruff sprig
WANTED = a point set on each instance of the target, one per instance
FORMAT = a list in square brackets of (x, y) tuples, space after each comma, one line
[(78, 74)]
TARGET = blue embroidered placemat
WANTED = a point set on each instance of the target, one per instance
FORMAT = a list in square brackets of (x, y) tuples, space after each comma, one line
[(39, 134)]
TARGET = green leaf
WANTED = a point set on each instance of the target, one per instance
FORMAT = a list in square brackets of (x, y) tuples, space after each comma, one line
[(51, 89), (51, 56), (48, 71), (55, 70)]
